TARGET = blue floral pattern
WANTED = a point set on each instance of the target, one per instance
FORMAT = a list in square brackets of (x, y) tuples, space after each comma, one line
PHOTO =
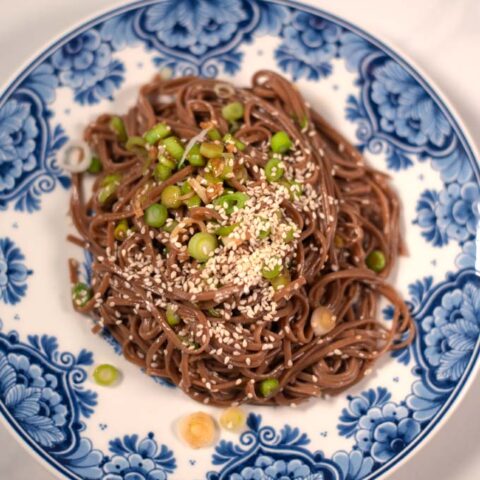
[(452, 332), (42, 390), (18, 132), (13, 272), (381, 428), (27, 164), (310, 43), (85, 65), (135, 459), (264, 454)]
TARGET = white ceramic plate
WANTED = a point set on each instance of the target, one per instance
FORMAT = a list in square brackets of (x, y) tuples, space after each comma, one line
[(367, 91)]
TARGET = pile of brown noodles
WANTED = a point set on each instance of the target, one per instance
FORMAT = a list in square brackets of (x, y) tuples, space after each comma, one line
[(231, 329)]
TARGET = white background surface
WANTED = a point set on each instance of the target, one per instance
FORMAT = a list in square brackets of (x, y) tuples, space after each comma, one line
[(441, 36)]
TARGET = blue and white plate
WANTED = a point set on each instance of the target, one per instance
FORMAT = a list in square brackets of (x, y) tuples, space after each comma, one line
[(382, 103)]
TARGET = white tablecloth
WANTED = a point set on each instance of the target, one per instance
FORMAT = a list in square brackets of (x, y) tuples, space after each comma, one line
[(441, 36)]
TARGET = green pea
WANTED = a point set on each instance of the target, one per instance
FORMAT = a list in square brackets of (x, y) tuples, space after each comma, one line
[(280, 142), (169, 226), (174, 147), (268, 387), (214, 134), (117, 125), (232, 200), (156, 215), (81, 294), (173, 318), (171, 196), (193, 202), (233, 111), (105, 375), (95, 165), (121, 229), (201, 245), (156, 133), (211, 150), (274, 170), (226, 230), (161, 172), (135, 144), (194, 157), (376, 261)]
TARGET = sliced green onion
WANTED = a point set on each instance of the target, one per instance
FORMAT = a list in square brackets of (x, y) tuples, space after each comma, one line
[(226, 230), (270, 273), (194, 157), (171, 196), (296, 189), (169, 226), (303, 123), (109, 179), (211, 149), (229, 138), (134, 143), (168, 162), (211, 179), (233, 111), (117, 125), (81, 294), (173, 318), (274, 170), (280, 281), (174, 147), (240, 145), (95, 165), (214, 313), (232, 200), (234, 126), (161, 172), (193, 202), (280, 142), (156, 133), (201, 245), (121, 229), (268, 387), (376, 261), (290, 235), (109, 185), (185, 188), (156, 215), (266, 232), (214, 134), (221, 167), (105, 375)]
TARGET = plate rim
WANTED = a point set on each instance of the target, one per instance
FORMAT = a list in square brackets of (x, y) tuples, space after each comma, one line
[(395, 52)]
